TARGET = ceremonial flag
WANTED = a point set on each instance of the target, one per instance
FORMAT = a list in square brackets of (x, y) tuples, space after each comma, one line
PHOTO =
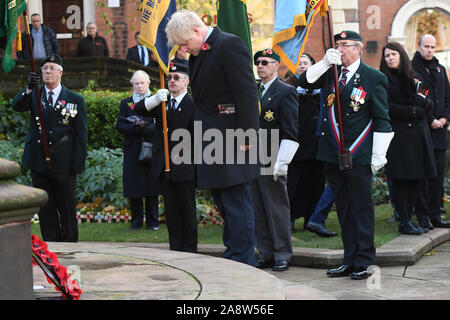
[(10, 10), (293, 19), (232, 17), (154, 18)]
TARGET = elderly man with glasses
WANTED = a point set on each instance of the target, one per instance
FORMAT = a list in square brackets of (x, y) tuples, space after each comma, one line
[(65, 124), (367, 132), (279, 115)]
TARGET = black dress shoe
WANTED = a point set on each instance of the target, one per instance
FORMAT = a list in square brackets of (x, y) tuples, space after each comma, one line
[(280, 265), (439, 223), (424, 222), (360, 274), (320, 230), (409, 228), (262, 263), (342, 271)]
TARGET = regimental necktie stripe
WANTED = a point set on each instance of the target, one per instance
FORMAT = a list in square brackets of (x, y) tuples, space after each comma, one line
[(260, 91), (343, 80), (50, 98)]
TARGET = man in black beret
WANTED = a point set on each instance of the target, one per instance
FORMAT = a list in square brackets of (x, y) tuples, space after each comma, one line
[(179, 191), (64, 116), (367, 135), (279, 114)]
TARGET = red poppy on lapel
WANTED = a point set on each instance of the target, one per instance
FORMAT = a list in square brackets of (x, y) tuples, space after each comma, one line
[(206, 46)]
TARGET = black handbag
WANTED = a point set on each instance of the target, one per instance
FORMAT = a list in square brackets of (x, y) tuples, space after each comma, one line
[(145, 155)]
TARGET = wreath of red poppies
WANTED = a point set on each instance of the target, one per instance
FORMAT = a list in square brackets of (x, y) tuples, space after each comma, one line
[(56, 274)]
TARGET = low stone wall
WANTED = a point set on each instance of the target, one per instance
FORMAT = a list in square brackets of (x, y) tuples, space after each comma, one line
[(108, 73)]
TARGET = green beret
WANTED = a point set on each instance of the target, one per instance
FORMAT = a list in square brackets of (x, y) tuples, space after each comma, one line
[(347, 35), (53, 58), (269, 53)]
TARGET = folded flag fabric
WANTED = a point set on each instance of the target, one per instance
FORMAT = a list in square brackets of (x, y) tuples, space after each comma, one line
[(154, 19), (293, 20)]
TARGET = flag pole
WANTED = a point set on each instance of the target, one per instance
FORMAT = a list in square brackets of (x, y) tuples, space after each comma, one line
[(36, 90), (344, 156), (165, 134)]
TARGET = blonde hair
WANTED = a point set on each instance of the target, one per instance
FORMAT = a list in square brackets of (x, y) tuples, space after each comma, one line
[(180, 26), (139, 73)]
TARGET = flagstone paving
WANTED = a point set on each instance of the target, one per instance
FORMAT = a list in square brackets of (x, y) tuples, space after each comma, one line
[(143, 271)]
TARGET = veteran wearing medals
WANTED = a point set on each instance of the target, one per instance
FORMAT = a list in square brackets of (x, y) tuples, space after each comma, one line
[(367, 135), (65, 123), (279, 112)]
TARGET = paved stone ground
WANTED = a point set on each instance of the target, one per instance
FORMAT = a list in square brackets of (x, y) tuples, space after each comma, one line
[(129, 271)]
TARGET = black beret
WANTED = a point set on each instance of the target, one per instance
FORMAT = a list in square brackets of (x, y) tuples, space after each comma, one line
[(347, 35), (53, 58), (178, 67), (269, 53)]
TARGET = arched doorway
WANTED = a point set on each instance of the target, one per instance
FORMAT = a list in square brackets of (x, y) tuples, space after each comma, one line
[(430, 21), (414, 14)]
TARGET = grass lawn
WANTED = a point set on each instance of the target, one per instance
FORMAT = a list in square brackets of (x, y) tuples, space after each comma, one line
[(210, 234)]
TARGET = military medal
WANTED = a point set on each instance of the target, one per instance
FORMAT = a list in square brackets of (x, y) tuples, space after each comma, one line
[(330, 99), (268, 116), (357, 97)]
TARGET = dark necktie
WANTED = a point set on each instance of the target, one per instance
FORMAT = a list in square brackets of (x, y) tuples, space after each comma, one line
[(50, 98), (172, 104), (142, 56), (343, 80), (260, 91)]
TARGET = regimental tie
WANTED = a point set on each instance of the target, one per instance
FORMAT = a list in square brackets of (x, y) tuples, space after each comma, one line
[(343, 80), (50, 98), (260, 91)]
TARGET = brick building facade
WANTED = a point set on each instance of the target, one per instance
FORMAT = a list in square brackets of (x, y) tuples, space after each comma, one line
[(378, 21)]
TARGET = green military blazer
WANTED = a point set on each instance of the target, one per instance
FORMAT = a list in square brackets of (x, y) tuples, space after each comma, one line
[(66, 127), (360, 117)]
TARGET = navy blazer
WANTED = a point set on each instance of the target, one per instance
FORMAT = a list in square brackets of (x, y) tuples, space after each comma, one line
[(181, 118)]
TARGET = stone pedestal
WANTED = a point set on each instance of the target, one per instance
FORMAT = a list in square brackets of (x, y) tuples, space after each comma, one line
[(18, 204)]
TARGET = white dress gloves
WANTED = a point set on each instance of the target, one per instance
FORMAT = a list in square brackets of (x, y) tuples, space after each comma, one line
[(332, 56), (285, 154), (381, 141), (156, 99)]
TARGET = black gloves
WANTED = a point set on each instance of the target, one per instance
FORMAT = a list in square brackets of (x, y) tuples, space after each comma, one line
[(142, 130), (422, 101), (33, 79)]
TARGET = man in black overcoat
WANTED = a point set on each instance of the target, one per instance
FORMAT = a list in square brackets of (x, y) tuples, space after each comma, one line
[(225, 95), (433, 74), (179, 189), (65, 122)]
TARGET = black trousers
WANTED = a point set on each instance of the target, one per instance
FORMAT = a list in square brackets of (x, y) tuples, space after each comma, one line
[(429, 200), (181, 214), (355, 209), (405, 194), (305, 185), (57, 217), (151, 212)]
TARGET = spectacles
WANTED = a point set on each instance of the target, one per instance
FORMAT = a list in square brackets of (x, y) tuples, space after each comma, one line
[(174, 78), (263, 62), (345, 45), (51, 68)]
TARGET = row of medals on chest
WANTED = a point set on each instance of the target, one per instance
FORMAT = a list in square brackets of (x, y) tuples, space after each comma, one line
[(67, 110)]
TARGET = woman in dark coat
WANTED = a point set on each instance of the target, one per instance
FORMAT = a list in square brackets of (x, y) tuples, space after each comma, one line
[(410, 155), (306, 175), (138, 182)]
